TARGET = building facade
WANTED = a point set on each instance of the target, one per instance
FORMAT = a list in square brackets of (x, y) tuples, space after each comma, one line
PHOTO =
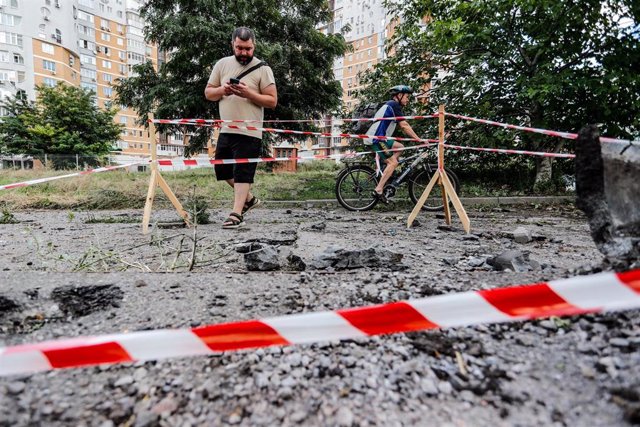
[(86, 43), (366, 27)]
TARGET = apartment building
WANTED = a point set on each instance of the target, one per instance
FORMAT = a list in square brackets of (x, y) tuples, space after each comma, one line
[(86, 43), (369, 28)]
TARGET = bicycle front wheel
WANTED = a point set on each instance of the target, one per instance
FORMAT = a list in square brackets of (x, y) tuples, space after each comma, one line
[(419, 181), (354, 188)]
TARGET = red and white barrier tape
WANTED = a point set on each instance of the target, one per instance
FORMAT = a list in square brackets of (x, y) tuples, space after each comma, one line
[(566, 135), (505, 151), (208, 122), (338, 135), (210, 162), (53, 178), (389, 138), (578, 295)]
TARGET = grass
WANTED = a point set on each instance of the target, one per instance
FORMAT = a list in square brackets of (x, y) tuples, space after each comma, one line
[(127, 190)]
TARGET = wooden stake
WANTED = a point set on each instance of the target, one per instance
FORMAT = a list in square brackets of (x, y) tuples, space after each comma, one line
[(440, 177), (158, 180)]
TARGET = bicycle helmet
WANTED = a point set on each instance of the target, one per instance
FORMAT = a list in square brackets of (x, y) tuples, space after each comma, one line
[(400, 89)]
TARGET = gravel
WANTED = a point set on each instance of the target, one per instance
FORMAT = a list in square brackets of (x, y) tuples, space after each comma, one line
[(62, 277)]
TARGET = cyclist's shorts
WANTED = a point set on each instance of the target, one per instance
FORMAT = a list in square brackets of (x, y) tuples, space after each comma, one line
[(378, 146)]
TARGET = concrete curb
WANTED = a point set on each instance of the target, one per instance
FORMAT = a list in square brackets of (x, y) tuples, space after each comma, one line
[(467, 201)]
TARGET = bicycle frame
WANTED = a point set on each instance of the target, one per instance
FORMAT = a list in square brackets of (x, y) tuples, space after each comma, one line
[(419, 158)]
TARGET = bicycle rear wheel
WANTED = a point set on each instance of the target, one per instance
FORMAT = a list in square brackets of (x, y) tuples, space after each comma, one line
[(354, 188), (419, 181)]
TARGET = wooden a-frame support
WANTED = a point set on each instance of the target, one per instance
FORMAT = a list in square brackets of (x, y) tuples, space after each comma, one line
[(441, 178), (158, 181)]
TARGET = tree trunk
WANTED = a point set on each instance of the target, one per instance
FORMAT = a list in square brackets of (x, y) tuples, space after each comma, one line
[(544, 171)]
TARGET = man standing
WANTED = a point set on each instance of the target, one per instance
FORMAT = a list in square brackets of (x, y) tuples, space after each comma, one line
[(244, 86), (400, 96)]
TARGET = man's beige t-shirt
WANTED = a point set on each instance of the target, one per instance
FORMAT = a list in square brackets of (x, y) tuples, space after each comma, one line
[(234, 107)]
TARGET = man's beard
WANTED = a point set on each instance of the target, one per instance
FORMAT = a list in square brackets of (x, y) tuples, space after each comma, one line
[(244, 59)]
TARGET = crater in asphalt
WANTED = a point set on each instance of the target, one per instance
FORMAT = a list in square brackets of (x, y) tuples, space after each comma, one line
[(82, 300)]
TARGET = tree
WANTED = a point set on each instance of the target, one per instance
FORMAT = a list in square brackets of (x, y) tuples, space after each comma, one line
[(197, 33), (547, 64), (63, 120)]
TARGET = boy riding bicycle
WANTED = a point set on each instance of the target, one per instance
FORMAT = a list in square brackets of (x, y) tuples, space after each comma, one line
[(400, 96)]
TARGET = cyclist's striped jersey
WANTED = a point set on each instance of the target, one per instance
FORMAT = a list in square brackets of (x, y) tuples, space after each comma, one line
[(384, 127)]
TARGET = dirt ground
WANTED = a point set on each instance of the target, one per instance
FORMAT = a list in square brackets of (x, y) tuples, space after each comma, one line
[(65, 274)]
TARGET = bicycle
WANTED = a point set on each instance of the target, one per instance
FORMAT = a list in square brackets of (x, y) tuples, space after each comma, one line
[(356, 182)]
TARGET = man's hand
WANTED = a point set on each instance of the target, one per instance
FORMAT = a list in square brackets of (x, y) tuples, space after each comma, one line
[(228, 89), (241, 90)]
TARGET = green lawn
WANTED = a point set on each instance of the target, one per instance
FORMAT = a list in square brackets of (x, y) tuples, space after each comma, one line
[(119, 189)]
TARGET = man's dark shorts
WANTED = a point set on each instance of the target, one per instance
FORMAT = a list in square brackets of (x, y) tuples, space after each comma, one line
[(234, 146)]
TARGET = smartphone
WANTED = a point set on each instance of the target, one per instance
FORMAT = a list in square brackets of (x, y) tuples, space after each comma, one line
[(234, 81)]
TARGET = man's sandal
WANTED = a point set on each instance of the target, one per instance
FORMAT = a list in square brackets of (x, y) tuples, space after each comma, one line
[(253, 203), (234, 221)]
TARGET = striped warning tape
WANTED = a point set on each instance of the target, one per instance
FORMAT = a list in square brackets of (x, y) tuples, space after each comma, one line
[(208, 122), (210, 162), (53, 178), (324, 134), (577, 295), (389, 138), (566, 135), (506, 151)]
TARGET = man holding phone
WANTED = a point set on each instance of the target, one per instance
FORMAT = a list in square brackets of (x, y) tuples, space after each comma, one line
[(244, 86)]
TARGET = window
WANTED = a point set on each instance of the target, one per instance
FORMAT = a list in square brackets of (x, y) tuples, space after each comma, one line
[(85, 16), (9, 20), (12, 3), (106, 37), (87, 3), (11, 38), (87, 44), (136, 31), (107, 91), (89, 31), (123, 120), (86, 59), (135, 44), (18, 59), (136, 57), (48, 81), (6, 75), (122, 68), (120, 41), (106, 64), (122, 55), (49, 65), (45, 12), (107, 77), (48, 48), (90, 74), (88, 86), (4, 56)]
